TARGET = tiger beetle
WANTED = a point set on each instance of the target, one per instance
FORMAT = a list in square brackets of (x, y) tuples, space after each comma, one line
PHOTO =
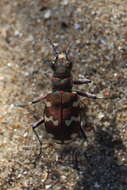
[(62, 107)]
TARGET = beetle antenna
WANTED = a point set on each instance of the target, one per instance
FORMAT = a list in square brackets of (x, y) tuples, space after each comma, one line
[(56, 53), (53, 47), (67, 52)]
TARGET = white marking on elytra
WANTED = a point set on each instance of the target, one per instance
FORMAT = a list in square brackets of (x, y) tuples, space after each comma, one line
[(58, 141), (73, 118), (74, 135), (48, 104), (50, 118), (76, 103), (50, 135), (63, 142), (67, 141)]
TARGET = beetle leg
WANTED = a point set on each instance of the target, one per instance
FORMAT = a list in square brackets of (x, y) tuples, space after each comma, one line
[(38, 99), (34, 126), (82, 81), (82, 125), (75, 155), (83, 131), (88, 95), (32, 102)]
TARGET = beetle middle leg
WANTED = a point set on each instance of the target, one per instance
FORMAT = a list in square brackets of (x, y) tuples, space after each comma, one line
[(30, 103), (88, 95), (34, 126)]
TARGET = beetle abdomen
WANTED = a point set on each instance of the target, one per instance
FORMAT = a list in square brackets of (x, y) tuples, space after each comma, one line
[(61, 115)]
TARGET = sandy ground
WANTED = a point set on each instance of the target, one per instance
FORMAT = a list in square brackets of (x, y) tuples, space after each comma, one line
[(97, 32)]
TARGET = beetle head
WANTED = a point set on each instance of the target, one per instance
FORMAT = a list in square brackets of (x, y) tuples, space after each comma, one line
[(61, 66)]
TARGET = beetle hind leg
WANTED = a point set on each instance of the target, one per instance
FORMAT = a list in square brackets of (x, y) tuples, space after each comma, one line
[(82, 124), (34, 126), (82, 132)]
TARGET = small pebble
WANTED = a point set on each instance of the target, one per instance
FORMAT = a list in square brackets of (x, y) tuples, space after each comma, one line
[(77, 26), (17, 33), (63, 177), (64, 2), (96, 185), (47, 14), (48, 186), (100, 115)]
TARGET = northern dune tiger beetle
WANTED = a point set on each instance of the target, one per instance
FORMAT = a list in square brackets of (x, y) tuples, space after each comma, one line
[(62, 112)]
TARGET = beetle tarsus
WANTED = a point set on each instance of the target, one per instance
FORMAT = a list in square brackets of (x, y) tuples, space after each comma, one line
[(23, 105), (30, 103)]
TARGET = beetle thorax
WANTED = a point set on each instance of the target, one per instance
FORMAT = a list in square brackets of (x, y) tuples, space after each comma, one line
[(64, 84), (62, 79)]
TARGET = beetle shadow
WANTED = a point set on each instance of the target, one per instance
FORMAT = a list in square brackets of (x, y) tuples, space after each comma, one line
[(104, 168)]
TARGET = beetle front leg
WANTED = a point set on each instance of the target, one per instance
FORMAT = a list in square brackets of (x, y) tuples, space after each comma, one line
[(32, 102), (34, 126), (82, 81)]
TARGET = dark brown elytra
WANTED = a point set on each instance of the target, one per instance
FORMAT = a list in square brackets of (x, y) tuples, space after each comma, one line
[(62, 116)]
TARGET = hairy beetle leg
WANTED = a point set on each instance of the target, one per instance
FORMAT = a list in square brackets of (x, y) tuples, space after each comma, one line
[(34, 126)]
